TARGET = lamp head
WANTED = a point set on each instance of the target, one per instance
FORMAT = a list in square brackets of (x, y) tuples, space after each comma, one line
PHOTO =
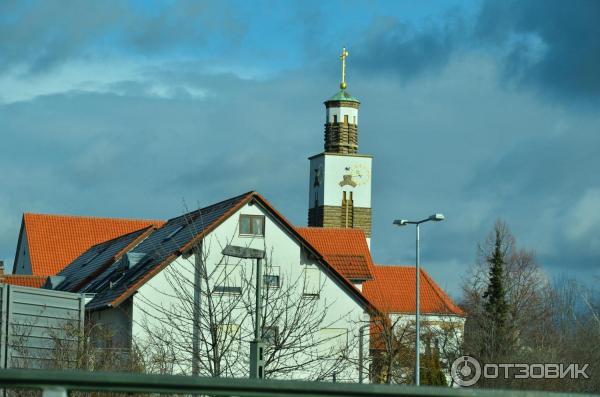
[(400, 222), (437, 217)]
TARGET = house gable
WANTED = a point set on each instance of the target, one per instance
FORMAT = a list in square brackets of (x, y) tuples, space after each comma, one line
[(157, 249), (22, 263)]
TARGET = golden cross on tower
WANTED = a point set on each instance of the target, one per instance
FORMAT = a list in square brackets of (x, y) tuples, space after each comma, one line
[(343, 58)]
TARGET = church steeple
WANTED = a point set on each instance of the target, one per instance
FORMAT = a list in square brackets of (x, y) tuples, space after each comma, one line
[(340, 178), (341, 121)]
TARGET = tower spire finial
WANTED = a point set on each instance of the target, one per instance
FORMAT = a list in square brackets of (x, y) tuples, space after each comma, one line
[(343, 58)]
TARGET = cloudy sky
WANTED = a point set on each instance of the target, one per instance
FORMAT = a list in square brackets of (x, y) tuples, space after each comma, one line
[(477, 109)]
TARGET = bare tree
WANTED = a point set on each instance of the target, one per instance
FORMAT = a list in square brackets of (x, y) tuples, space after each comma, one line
[(550, 322), (391, 349), (204, 320), (524, 288)]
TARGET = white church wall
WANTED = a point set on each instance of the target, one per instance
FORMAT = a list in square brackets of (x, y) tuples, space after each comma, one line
[(344, 314), (335, 169), (332, 180)]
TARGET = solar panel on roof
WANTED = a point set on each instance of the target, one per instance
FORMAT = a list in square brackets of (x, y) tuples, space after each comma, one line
[(174, 232), (168, 240), (94, 260)]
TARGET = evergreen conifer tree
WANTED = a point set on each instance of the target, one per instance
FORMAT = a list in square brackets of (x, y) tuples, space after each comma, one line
[(496, 307)]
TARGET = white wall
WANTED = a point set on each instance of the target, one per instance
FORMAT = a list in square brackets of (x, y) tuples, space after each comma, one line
[(437, 325), (283, 251), (340, 112), (333, 168)]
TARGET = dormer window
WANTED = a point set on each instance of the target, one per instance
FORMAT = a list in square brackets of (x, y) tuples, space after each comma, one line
[(252, 225)]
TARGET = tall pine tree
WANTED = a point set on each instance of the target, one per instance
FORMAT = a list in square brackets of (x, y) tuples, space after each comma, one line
[(496, 307)]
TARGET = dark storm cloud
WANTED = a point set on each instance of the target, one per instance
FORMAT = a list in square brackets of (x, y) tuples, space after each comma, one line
[(552, 45), (38, 35), (541, 167), (392, 46)]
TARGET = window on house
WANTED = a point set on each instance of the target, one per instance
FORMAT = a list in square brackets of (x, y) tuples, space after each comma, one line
[(335, 118), (312, 282), (252, 225), (271, 334), (271, 277), (229, 331), (228, 279), (345, 119)]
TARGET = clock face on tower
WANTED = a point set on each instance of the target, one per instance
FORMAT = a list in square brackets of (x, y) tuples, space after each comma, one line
[(355, 175)]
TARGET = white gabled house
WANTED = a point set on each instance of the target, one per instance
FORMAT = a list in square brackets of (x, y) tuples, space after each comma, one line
[(171, 290)]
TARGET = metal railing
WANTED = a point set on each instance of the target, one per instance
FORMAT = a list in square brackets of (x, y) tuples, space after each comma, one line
[(60, 383)]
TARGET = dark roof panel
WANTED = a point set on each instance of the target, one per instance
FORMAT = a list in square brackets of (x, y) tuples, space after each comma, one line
[(173, 237), (94, 260)]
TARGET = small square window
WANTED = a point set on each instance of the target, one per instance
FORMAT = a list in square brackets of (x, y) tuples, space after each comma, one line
[(228, 289), (271, 334), (271, 277), (271, 280), (252, 225), (229, 331), (312, 282)]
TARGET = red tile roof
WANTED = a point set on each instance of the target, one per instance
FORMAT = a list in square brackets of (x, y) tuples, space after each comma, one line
[(24, 281), (343, 248), (56, 240), (393, 290)]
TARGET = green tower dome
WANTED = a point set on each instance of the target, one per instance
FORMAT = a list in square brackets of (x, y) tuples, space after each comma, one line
[(342, 95)]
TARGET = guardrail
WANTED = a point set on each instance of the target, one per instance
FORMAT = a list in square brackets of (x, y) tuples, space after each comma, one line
[(60, 383)]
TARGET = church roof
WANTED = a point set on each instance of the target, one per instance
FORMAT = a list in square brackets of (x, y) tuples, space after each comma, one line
[(344, 248), (393, 290), (342, 95), (56, 240)]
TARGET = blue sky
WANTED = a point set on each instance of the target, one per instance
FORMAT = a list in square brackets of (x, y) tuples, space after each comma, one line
[(478, 109)]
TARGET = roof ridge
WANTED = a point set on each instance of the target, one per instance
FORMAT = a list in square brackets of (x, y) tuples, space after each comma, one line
[(39, 214), (329, 229), (403, 266), (123, 235), (200, 210)]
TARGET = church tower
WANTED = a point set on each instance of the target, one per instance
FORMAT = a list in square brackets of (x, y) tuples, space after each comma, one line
[(340, 177)]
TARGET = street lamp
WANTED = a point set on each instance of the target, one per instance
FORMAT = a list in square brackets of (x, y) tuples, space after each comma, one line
[(257, 346), (404, 222)]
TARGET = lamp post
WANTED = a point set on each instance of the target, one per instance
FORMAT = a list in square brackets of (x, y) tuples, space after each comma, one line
[(257, 346), (361, 335), (404, 222)]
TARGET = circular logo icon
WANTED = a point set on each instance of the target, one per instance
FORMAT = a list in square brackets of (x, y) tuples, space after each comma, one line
[(465, 371)]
